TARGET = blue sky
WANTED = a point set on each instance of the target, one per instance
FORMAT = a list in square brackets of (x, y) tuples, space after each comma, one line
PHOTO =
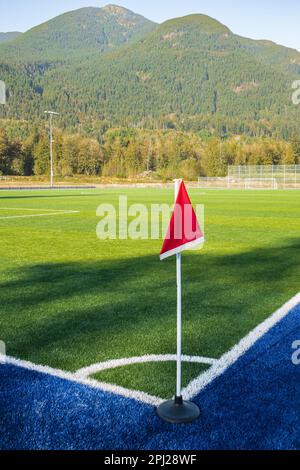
[(277, 20)]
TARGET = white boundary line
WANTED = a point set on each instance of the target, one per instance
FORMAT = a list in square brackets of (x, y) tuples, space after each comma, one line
[(49, 214), (139, 396), (229, 358), (101, 366), (217, 369), (29, 209)]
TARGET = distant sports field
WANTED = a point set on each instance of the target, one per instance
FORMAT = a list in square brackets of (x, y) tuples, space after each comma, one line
[(69, 300)]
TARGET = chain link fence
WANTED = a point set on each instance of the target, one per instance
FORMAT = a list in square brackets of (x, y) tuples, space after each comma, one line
[(249, 177)]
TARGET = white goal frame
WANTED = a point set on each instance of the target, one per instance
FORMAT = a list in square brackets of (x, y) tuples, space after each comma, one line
[(285, 177), (261, 183)]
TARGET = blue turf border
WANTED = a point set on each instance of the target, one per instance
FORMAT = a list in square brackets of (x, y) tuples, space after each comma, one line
[(254, 405)]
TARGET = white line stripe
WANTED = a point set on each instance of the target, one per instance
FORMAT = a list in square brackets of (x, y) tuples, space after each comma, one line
[(228, 359), (195, 387), (113, 364), (29, 209), (135, 395), (37, 215)]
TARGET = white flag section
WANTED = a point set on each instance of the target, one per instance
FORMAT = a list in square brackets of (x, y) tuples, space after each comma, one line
[(184, 233)]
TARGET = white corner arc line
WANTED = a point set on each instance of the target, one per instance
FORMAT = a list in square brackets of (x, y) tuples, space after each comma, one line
[(217, 369), (115, 363), (115, 389), (229, 358)]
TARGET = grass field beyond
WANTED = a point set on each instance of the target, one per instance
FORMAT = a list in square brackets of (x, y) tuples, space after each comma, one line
[(69, 300)]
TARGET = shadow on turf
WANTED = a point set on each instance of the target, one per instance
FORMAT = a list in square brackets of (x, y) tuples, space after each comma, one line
[(70, 315)]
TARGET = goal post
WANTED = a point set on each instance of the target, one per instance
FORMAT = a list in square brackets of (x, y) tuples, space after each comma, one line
[(264, 177), (246, 177), (261, 183)]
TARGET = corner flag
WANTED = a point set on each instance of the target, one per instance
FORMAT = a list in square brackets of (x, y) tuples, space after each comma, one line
[(184, 234), (184, 231)]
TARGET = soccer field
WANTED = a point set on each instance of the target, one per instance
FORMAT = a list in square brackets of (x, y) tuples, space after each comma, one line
[(69, 300)]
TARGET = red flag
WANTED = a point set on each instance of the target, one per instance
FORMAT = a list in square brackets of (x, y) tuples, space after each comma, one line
[(184, 232)]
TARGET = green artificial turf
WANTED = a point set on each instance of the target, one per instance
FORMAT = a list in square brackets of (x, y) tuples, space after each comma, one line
[(154, 378), (69, 300)]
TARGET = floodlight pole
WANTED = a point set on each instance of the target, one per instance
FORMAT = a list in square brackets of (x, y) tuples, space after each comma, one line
[(51, 114)]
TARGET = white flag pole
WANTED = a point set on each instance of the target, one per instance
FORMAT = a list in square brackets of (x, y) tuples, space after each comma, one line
[(179, 311), (179, 324)]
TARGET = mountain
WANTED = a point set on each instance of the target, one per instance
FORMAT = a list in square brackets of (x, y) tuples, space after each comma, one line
[(82, 32), (112, 66), (195, 65), (4, 37)]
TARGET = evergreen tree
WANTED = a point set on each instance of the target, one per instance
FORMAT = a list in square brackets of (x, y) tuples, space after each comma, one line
[(41, 156)]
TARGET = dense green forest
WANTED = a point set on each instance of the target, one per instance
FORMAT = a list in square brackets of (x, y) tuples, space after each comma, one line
[(127, 152), (182, 95)]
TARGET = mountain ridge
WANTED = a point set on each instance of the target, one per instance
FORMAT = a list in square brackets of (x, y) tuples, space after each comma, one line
[(82, 31), (207, 23), (191, 72), (9, 36)]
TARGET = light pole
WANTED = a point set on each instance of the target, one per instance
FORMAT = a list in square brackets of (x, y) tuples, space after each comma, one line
[(51, 114)]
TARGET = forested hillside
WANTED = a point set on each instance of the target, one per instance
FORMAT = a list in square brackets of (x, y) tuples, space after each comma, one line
[(80, 33), (189, 84), (112, 67)]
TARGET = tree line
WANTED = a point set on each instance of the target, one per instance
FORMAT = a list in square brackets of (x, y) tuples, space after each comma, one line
[(129, 152)]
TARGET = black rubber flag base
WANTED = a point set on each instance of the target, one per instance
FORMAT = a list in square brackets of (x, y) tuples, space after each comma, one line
[(178, 411)]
